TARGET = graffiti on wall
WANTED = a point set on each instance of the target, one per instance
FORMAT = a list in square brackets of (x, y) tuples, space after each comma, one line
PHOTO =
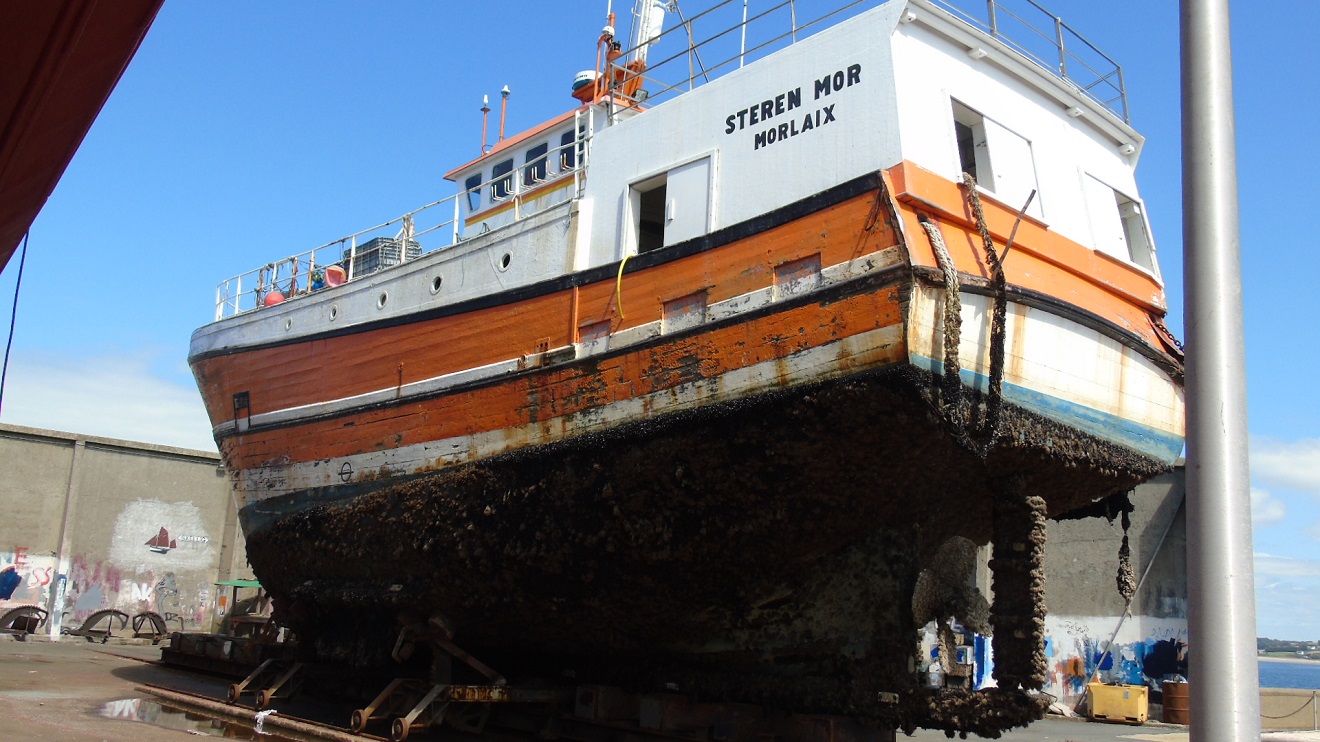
[(24, 576), (10, 579), (160, 559), (152, 533), (94, 586), (1144, 652)]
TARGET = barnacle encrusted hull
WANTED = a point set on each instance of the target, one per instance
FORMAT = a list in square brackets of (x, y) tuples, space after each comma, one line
[(764, 552)]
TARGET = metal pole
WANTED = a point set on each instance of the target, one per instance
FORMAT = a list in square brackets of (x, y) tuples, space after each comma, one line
[(742, 47), (1063, 54), (1225, 694), (60, 585)]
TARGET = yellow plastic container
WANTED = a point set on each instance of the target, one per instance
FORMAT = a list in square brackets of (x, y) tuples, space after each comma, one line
[(1120, 704)]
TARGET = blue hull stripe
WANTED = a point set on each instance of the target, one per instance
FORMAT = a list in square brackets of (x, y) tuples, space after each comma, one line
[(1157, 444)]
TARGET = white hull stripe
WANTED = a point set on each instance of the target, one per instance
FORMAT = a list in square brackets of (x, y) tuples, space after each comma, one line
[(1054, 357)]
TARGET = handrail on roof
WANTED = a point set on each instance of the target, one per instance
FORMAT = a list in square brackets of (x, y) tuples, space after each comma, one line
[(1059, 49), (435, 226), (1100, 77)]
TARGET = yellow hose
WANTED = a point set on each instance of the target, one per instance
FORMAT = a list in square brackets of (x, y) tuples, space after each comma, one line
[(618, 286)]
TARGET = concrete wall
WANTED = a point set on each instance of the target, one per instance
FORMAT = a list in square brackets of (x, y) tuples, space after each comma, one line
[(1085, 607), (1289, 709), (80, 511)]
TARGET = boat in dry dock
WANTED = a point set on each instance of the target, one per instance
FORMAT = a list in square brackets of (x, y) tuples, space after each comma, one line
[(703, 380)]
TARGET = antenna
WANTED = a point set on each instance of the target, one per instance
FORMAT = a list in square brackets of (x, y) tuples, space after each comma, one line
[(485, 114), (504, 108)]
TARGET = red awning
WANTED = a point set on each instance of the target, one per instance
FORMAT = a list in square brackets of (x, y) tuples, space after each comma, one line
[(59, 60)]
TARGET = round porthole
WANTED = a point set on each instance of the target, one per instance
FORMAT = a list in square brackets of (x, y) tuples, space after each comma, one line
[(505, 261), (334, 312), (380, 300), (288, 323), (435, 284)]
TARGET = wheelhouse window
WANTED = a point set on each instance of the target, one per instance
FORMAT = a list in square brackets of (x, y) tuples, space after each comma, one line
[(501, 180), (1118, 224), (567, 152), (473, 188), (535, 171)]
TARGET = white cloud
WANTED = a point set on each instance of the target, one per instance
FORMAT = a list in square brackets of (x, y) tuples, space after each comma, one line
[(110, 395), (1285, 588), (1269, 565), (1266, 509), (1287, 465)]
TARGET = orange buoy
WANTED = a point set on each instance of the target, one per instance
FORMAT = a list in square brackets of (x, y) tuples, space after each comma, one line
[(273, 298), (335, 275)]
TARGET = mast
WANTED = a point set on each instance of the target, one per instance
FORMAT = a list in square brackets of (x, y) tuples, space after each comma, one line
[(650, 16)]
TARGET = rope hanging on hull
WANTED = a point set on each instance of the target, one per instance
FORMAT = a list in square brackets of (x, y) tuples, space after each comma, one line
[(951, 391), (998, 322), (954, 409)]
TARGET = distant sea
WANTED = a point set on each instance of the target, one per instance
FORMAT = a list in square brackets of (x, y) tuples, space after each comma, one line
[(1285, 674)]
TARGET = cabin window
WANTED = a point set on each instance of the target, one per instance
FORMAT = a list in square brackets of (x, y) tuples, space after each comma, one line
[(1118, 224), (567, 152), (1001, 160), (536, 164), (649, 198), (1134, 231), (501, 182), (473, 187), (973, 150)]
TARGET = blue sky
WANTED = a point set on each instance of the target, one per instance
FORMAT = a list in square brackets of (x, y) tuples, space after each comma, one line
[(247, 131)]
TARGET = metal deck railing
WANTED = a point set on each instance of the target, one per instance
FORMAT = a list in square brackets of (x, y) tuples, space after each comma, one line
[(732, 33), (1047, 40), (432, 227)]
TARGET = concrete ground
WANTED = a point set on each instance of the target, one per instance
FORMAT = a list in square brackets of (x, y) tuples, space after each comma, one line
[(55, 690), (1081, 730), (79, 692)]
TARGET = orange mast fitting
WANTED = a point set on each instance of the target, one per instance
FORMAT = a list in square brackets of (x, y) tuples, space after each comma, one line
[(629, 76), (504, 109), (485, 116)]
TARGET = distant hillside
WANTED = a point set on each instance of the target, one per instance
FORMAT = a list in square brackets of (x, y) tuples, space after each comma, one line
[(1286, 646)]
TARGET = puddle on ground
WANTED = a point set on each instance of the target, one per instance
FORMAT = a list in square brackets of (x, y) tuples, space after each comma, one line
[(150, 711)]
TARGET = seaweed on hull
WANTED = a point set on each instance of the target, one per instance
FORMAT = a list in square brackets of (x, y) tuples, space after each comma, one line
[(766, 552)]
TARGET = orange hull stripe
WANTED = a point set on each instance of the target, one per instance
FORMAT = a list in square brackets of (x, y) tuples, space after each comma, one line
[(334, 368), (316, 371), (558, 392), (1040, 260)]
